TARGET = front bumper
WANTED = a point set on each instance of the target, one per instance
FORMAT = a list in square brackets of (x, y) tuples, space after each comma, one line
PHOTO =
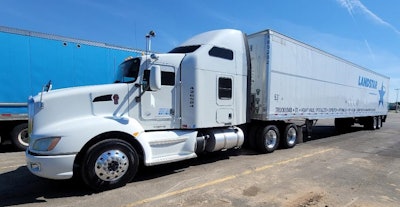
[(56, 167)]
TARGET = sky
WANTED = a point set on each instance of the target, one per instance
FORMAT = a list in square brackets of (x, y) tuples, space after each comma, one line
[(366, 32)]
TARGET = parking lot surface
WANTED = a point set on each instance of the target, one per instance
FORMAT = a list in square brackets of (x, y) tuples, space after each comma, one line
[(359, 168)]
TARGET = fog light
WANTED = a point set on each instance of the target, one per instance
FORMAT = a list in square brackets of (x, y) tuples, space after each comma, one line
[(35, 167)]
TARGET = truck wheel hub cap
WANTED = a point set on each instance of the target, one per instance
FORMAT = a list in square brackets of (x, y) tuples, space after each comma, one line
[(111, 165), (271, 137), (291, 136), (23, 137)]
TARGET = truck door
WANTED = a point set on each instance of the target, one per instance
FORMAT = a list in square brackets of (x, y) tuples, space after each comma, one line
[(225, 112), (158, 108)]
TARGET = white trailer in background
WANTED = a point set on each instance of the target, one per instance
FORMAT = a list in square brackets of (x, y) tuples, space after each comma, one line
[(214, 92)]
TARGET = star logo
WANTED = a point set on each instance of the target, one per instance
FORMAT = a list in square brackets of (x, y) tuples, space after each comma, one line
[(381, 94)]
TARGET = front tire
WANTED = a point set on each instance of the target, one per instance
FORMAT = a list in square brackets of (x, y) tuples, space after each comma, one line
[(109, 164)]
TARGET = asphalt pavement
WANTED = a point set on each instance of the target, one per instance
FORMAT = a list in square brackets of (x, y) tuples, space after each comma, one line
[(359, 168)]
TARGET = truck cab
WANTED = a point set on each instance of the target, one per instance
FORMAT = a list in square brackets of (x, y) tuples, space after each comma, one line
[(161, 108)]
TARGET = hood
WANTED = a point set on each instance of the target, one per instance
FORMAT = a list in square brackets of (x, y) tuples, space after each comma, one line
[(77, 102)]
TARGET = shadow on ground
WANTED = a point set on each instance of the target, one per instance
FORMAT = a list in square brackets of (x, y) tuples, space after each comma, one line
[(21, 187)]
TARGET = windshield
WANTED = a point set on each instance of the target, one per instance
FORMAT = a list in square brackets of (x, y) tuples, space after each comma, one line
[(128, 71), (185, 49)]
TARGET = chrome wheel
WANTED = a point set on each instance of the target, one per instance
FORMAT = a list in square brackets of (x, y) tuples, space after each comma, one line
[(111, 165), (270, 139), (291, 136), (108, 164), (20, 136), (23, 137)]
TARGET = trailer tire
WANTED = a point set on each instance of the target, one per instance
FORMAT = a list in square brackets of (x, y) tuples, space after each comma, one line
[(109, 164), (268, 139), (290, 135), (379, 122), (20, 137), (372, 123)]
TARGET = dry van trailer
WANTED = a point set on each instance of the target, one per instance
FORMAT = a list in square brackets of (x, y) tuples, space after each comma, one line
[(293, 80)]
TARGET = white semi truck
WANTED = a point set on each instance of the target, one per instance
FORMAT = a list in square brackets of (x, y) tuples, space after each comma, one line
[(216, 91)]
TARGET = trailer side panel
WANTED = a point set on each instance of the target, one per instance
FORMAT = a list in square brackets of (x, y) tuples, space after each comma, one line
[(293, 80)]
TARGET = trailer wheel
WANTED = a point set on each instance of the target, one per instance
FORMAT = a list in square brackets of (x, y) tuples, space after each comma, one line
[(20, 137), (109, 164), (268, 139), (289, 138), (372, 123), (379, 122)]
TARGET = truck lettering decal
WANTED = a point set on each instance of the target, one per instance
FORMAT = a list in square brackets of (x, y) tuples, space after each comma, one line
[(367, 82), (371, 83), (164, 112), (191, 97), (319, 110), (103, 98)]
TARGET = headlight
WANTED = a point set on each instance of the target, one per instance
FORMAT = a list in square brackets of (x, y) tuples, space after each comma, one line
[(45, 144)]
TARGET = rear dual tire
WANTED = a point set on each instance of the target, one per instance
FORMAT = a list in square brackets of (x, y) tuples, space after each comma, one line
[(269, 138), (379, 124), (290, 136), (373, 122)]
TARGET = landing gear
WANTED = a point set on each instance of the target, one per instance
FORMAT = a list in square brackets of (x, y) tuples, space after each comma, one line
[(309, 124)]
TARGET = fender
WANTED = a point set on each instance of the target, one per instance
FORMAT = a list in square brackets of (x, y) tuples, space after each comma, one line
[(167, 146), (75, 133), (158, 147)]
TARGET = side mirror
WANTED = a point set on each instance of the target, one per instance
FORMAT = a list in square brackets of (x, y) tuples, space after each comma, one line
[(155, 78)]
